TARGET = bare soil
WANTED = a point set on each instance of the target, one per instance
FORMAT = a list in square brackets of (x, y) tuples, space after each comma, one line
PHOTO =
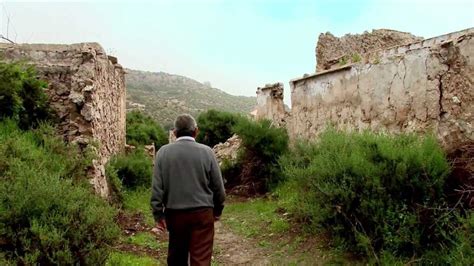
[(232, 249)]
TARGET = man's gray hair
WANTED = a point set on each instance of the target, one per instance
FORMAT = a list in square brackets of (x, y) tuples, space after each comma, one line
[(185, 125)]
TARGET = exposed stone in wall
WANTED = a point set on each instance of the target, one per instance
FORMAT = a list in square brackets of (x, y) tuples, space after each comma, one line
[(87, 90), (421, 87), (228, 150), (332, 51), (171, 137), (135, 106), (270, 104)]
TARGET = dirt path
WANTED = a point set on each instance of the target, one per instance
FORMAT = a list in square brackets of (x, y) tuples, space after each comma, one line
[(229, 248), (232, 249)]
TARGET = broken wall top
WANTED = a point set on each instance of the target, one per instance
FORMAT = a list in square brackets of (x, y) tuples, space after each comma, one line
[(375, 55), (50, 55), (274, 90), (330, 49)]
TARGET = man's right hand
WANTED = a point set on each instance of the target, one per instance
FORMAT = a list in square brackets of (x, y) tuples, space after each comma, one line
[(216, 218), (160, 227)]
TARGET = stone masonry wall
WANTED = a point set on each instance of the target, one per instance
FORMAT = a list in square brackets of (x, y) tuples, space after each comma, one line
[(87, 90), (421, 87), (270, 104), (331, 50)]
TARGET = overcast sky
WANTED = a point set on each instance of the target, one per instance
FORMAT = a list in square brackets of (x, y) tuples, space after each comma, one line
[(236, 45)]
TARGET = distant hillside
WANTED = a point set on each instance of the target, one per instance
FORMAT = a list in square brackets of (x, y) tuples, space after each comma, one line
[(163, 96)]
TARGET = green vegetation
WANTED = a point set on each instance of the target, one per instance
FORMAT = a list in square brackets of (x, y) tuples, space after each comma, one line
[(129, 175), (134, 169), (255, 218), (138, 201), (166, 96), (272, 232), (146, 239), (263, 145), (343, 61), (143, 130), (356, 58), (376, 195), (115, 185), (127, 259), (376, 60), (215, 127), (48, 214), (22, 96)]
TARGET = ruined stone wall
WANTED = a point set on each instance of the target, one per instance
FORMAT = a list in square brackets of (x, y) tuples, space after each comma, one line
[(332, 51), (87, 90), (270, 104), (421, 87)]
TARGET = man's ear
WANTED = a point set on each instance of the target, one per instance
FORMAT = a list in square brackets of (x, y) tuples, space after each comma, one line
[(196, 132), (175, 132)]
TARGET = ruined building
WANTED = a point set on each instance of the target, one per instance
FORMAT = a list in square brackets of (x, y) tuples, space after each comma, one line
[(87, 91), (414, 86), (270, 104)]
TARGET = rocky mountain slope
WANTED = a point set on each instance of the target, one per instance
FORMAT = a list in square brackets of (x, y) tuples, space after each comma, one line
[(163, 96)]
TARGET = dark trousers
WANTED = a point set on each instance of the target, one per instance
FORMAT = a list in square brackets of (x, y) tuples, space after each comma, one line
[(191, 236)]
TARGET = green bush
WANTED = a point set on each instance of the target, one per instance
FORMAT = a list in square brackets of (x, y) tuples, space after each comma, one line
[(134, 169), (115, 185), (143, 130), (263, 144), (376, 194), (48, 213), (22, 95), (215, 127)]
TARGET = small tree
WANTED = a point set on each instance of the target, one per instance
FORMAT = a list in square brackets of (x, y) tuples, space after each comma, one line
[(134, 169), (215, 127), (143, 130), (263, 144)]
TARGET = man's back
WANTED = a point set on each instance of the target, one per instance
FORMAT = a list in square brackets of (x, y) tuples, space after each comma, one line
[(190, 175)]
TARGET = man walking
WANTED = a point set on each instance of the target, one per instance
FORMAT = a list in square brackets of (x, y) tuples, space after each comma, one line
[(187, 195)]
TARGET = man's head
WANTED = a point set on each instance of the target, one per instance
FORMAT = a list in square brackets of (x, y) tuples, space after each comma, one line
[(185, 125)]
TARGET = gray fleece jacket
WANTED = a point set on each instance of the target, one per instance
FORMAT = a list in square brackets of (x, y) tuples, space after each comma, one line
[(186, 175)]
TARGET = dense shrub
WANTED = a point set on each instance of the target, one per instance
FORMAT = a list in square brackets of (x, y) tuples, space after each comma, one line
[(133, 169), (48, 213), (215, 127), (376, 194), (22, 95), (115, 185), (263, 144), (143, 130)]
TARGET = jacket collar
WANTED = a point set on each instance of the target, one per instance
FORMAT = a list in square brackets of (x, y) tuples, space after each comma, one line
[(185, 138)]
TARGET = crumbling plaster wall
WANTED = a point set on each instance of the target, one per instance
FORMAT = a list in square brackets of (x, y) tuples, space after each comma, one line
[(270, 104), (421, 87), (87, 91)]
